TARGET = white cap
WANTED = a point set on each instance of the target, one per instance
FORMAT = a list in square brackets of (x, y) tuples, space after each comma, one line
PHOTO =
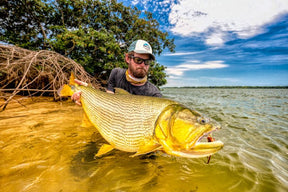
[(142, 47)]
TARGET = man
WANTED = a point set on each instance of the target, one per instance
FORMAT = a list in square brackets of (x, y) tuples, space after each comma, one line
[(134, 79)]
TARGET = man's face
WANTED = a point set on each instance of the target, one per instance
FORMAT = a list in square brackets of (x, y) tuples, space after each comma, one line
[(135, 69)]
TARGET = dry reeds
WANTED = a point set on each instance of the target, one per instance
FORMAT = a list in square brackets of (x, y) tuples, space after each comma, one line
[(36, 72)]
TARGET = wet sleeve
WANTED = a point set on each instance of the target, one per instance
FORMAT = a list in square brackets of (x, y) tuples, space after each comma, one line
[(157, 94), (112, 80)]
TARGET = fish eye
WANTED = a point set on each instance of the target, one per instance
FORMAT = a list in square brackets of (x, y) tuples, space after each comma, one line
[(202, 120)]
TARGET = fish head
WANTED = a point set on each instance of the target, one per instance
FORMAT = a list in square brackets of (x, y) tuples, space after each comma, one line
[(180, 129)]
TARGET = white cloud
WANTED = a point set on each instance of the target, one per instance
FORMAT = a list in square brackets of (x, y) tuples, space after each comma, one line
[(221, 80), (215, 39), (178, 70), (181, 82), (134, 2), (181, 53), (201, 81), (218, 17)]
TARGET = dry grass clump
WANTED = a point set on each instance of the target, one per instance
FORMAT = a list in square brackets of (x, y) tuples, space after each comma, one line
[(31, 73)]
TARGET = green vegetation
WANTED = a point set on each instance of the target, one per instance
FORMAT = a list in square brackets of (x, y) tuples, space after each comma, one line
[(94, 33)]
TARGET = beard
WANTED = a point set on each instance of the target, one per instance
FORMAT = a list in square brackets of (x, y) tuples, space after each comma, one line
[(139, 72)]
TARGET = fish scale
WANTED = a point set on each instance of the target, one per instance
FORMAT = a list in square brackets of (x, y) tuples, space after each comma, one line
[(126, 124), (143, 124)]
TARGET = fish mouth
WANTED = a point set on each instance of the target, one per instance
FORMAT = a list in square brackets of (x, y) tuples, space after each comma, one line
[(201, 148)]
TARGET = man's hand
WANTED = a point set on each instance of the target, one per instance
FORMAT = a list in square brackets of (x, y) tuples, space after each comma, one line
[(80, 82), (76, 96)]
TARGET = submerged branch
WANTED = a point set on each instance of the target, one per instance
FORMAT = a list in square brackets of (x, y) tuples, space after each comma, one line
[(41, 72)]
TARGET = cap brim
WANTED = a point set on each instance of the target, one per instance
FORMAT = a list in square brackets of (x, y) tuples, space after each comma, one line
[(144, 52)]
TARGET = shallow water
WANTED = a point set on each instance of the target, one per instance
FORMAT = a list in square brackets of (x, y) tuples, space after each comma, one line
[(44, 148)]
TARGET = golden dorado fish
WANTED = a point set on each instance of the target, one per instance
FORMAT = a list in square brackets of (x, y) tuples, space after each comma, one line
[(143, 124)]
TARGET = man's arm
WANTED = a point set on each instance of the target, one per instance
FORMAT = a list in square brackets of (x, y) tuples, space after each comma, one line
[(111, 81)]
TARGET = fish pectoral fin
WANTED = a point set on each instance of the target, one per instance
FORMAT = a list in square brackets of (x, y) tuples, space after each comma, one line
[(86, 122), (105, 148), (147, 148)]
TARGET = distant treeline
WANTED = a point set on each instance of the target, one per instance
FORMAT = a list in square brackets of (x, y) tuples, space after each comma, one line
[(234, 87)]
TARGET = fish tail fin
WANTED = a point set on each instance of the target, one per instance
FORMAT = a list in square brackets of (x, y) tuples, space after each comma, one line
[(71, 80), (66, 90)]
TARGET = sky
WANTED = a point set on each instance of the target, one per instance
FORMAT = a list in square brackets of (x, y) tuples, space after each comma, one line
[(223, 42)]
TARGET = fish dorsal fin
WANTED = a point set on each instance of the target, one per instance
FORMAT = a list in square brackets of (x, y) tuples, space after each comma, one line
[(120, 91)]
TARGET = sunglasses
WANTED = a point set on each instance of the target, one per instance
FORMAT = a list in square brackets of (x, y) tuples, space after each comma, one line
[(139, 60)]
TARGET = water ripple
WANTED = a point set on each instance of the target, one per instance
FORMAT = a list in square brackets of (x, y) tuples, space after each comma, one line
[(44, 148)]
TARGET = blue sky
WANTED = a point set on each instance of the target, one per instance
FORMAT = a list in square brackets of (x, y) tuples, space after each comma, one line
[(223, 42)]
